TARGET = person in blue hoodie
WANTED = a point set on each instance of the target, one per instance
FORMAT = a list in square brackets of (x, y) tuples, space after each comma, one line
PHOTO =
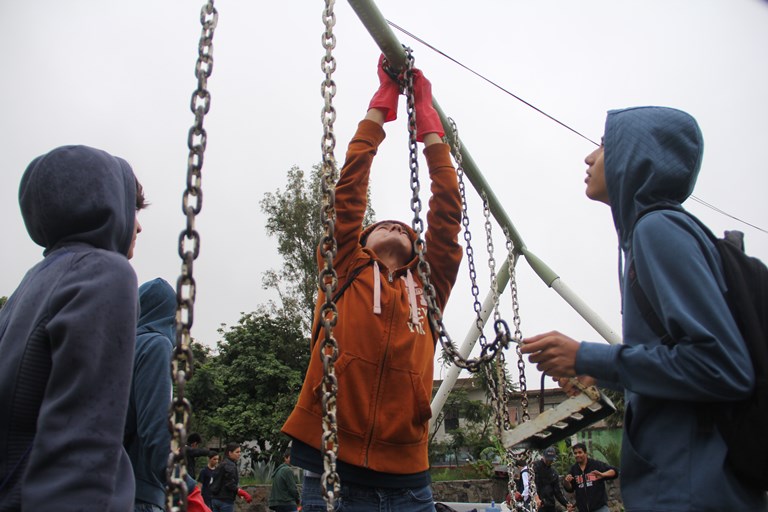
[(671, 460), (147, 438), (67, 337)]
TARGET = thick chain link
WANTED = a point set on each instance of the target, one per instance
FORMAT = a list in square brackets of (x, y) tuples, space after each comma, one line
[(327, 277), (192, 201)]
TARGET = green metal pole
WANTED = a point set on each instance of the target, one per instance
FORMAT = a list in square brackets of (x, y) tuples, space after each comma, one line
[(385, 38)]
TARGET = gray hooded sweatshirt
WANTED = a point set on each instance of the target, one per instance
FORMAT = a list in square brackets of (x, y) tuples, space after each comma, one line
[(67, 336), (670, 460)]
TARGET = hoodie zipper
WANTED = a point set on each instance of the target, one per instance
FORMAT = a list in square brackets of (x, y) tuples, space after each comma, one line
[(377, 394)]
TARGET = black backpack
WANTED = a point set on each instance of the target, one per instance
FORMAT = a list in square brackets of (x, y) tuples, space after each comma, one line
[(741, 424)]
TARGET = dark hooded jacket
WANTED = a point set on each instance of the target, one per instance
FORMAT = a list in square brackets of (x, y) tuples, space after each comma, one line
[(67, 336), (386, 345), (147, 437), (670, 460)]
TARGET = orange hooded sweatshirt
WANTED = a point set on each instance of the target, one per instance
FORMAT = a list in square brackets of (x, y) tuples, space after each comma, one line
[(386, 346)]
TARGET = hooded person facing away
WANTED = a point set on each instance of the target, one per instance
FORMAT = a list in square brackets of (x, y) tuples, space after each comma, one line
[(147, 438), (67, 337), (670, 459)]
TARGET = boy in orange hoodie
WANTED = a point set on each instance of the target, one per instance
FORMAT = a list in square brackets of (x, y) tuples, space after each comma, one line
[(386, 345)]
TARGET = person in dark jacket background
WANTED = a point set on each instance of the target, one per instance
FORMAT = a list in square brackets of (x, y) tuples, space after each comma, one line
[(67, 337), (226, 480), (206, 477), (548, 482), (193, 450), (284, 495), (147, 437), (586, 479)]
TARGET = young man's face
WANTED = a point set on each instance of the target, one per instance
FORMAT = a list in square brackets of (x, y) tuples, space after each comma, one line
[(213, 461), (234, 455), (597, 190), (390, 237), (580, 455)]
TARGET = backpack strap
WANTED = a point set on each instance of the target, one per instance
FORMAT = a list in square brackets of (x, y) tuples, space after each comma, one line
[(650, 316), (340, 292)]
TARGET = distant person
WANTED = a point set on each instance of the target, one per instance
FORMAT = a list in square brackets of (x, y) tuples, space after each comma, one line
[(386, 344), (147, 437), (586, 479), (226, 481), (650, 157), (67, 337), (284, 494), (195, 450), (522, 484), (547, 480), (206, 477)]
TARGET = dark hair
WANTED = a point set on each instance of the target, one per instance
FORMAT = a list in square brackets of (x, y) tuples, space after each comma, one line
[(231, 447), (193, 437), (141, 203), (582, 446)]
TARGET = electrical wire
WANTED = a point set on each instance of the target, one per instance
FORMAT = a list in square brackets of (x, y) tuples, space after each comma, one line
[(530, 105)]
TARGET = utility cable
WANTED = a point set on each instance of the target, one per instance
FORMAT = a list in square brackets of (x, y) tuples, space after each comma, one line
[(530, 105)]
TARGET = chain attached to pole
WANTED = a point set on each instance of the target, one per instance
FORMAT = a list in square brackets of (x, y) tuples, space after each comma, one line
[(488, 351), (182, 366), (327, 277)]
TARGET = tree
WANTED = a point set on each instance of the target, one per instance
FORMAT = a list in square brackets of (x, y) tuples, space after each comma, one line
[(293, 215), (246, 392), (3, 300)]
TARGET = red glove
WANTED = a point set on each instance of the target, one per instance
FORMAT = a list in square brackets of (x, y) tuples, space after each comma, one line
[(244, 495), (427, 119), (386, 97), (195, 501)]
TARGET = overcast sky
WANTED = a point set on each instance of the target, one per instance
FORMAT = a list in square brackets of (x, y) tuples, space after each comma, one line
[(119, 76)]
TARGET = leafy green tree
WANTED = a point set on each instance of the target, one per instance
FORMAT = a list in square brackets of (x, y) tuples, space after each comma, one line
[(474, 432), (246, 392), (293, 216), (3, 300)]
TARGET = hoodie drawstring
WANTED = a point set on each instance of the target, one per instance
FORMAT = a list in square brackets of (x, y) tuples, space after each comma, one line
[(376, 288), (411, 287)]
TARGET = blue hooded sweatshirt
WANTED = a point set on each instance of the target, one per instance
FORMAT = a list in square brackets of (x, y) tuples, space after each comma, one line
[(147, 437), (671, 460), (67, 336)]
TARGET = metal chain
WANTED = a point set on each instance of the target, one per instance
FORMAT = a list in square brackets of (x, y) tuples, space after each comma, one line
[(518, 336), (488, 352), (327, 277), (182, 366), (475, 289)]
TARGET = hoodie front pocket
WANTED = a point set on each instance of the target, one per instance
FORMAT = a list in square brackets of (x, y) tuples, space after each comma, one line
[(355, 393), (404, 409)]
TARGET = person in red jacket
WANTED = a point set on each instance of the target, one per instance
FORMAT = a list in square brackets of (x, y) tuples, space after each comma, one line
[(386, 345)]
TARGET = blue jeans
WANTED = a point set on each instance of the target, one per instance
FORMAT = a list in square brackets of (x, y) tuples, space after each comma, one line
[(222, 506), (358, 498)]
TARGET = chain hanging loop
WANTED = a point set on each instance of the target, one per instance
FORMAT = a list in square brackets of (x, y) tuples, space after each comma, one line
[(182, 366), (501, 341), (327, 277)]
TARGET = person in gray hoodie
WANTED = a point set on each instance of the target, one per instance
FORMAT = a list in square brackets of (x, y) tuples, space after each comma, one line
[(67, 337), (147, 437), (671, 460)]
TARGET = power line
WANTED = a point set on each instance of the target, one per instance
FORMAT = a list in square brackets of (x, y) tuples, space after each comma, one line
[(518, 98), (530, 105)]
